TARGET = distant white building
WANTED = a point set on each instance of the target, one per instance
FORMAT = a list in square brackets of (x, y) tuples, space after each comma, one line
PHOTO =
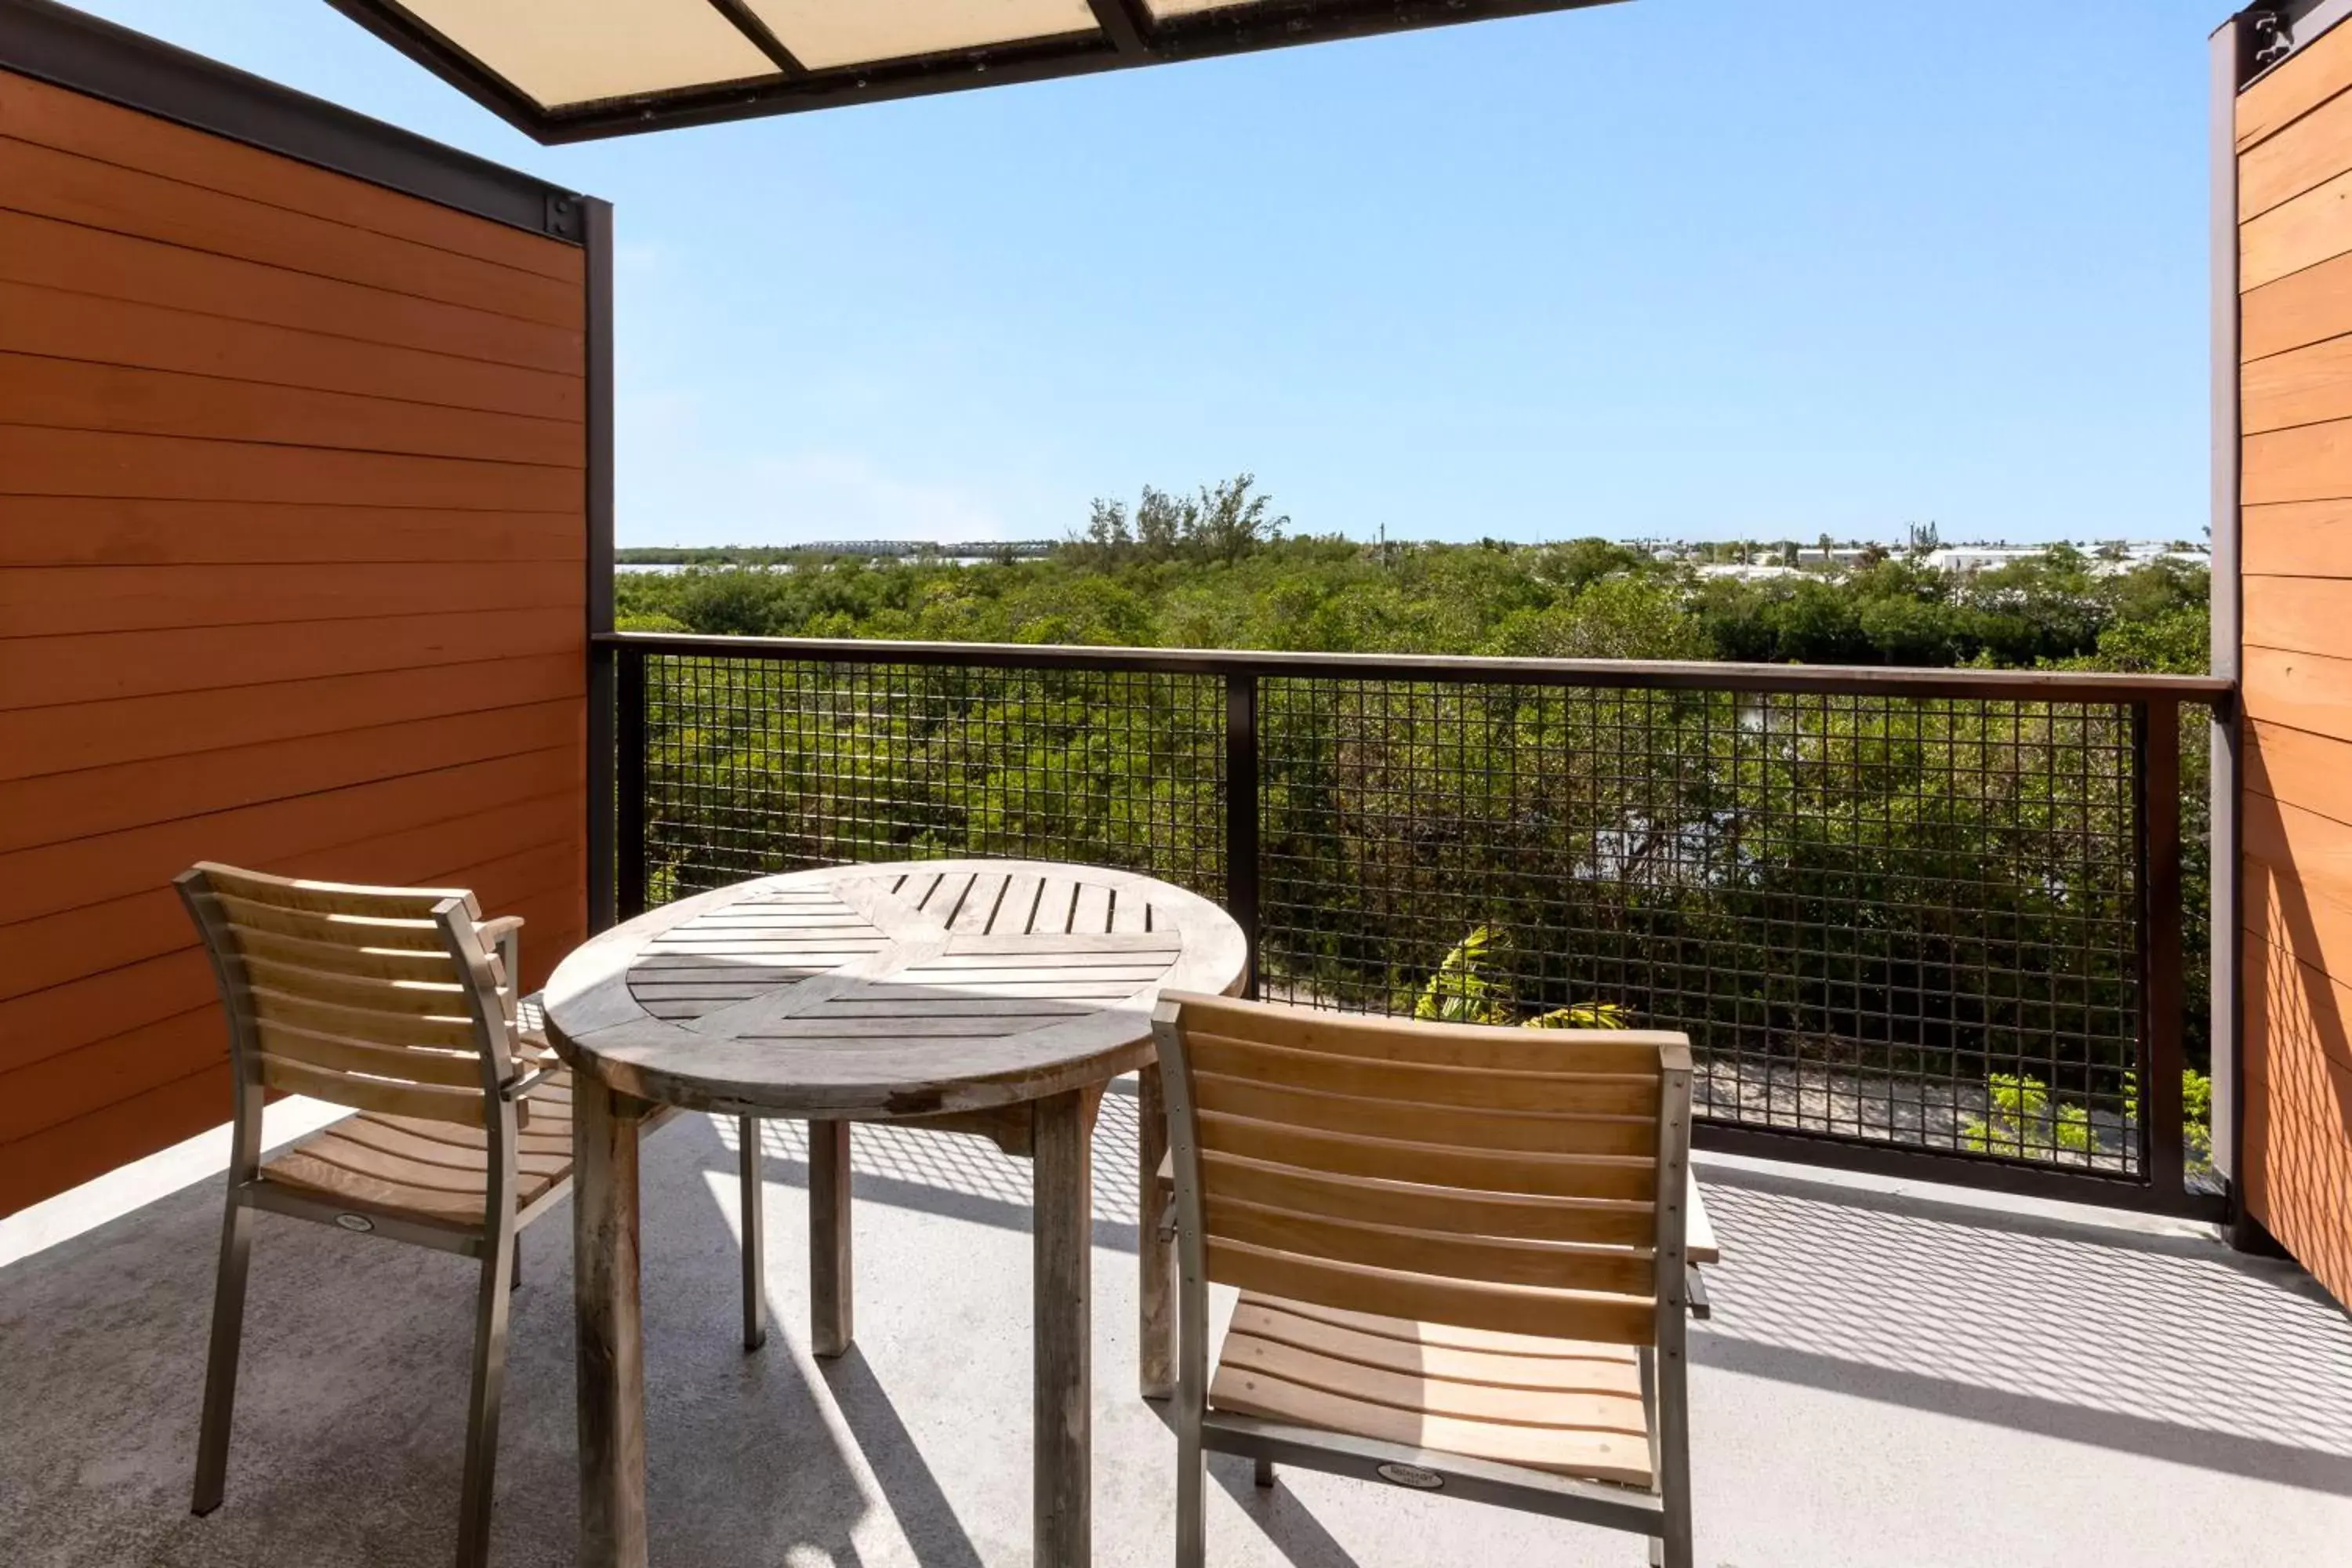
[(1965, 559), (1744, 574)]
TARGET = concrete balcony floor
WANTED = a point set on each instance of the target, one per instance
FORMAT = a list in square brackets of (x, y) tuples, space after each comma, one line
[(1889, 1379)]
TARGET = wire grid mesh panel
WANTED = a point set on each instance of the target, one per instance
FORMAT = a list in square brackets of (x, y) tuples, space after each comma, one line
[(756, 765), (1888, 917)]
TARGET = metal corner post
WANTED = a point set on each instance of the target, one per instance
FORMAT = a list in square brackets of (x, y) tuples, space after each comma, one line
[(1241, 816), (2230, 52), (2157, 740), (602, 742), (629, 784)]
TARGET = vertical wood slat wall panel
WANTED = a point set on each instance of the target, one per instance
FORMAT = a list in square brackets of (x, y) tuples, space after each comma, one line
[(293, 549), (2294, 141)]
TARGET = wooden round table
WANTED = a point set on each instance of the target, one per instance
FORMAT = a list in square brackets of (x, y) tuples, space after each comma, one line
[(991, 996)]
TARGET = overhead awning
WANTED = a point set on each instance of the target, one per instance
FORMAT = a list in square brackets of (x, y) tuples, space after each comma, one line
[(566, 70)]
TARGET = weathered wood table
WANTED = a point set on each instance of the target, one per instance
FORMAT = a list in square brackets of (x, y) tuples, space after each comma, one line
[(975, 995)]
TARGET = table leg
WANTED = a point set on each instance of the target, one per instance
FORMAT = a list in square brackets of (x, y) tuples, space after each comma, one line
[(605, 1125), (832, 1282), (1064, 1250), (1156, 1258)]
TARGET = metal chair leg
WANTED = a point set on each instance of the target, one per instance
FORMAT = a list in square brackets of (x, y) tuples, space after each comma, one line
[(517, 1278), (220, 1359), (1263, 1473), (755, 1235), (482, 1412), (1192, 1503)]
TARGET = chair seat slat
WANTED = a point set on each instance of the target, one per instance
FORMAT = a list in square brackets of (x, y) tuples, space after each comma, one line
[(1477, 1304)]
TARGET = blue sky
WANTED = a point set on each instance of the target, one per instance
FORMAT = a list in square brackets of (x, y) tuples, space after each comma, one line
[(1682, 267)]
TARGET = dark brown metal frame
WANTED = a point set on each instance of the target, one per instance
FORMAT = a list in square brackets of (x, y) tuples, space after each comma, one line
[(2155, 701), (2231, 50), (1129, 36)]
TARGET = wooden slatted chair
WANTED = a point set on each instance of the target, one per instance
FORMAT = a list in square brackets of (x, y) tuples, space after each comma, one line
[(1461, 1253), (401, 1004)]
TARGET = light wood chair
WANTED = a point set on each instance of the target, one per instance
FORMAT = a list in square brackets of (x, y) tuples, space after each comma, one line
[(1461, 1252), (401, 1004)]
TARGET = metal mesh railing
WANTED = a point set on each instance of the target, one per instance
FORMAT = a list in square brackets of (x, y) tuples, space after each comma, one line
[(1874, 917), (1890, 911), (758, 765)]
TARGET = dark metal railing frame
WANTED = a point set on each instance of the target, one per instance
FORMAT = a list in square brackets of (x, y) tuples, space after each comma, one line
[(2155, 701)]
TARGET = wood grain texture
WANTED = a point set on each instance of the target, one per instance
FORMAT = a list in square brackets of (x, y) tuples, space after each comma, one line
[(501, 849), (2305, 154), (73, 395), (105, 667), (2274, 906), (2315, 851), (2297, 614), (72, 1152), (859, 999), (50, 183), (2294, 133), (2307, 463), (1375, 1381), (2300, 309), (2296, 1165), (142, 466), (2306, 692), (421, 1170), (2317, 73), (56, 117), (2307, 385), (2312, 771), (69, 326), (292, 550), (608, 1326), (43, 879), (39, 742), (108, 530), (1506, 1308), (2313, 227), (47, 253), (2308, 539), (73, 601)]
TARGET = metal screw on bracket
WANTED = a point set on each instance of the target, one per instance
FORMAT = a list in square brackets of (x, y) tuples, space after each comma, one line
[(2274, 40)]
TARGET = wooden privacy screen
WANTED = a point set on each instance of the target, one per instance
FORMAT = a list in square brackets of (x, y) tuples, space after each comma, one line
[(292, 574), (2294, 142)]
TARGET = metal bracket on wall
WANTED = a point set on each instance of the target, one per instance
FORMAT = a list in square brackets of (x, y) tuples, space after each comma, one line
[(2269, 41), (564, 218), (2268, 35)]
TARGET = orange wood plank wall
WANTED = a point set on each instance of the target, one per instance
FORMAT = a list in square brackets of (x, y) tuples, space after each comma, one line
[(2294, 280), (292, 568)]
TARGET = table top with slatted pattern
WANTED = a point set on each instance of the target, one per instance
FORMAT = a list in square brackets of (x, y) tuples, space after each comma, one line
[(892, 990)]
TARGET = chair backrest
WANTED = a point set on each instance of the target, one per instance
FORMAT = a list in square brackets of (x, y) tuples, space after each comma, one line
[(1525, 1181), (383, 999)]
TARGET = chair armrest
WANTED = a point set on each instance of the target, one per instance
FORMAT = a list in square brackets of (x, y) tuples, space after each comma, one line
[(516, 1088), (504, 933)]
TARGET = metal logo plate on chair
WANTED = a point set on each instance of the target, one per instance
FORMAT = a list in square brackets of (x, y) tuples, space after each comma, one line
[(355, 1222), (1412, 1475)]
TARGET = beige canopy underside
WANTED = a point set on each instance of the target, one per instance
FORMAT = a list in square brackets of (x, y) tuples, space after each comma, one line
[(565, 52)]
